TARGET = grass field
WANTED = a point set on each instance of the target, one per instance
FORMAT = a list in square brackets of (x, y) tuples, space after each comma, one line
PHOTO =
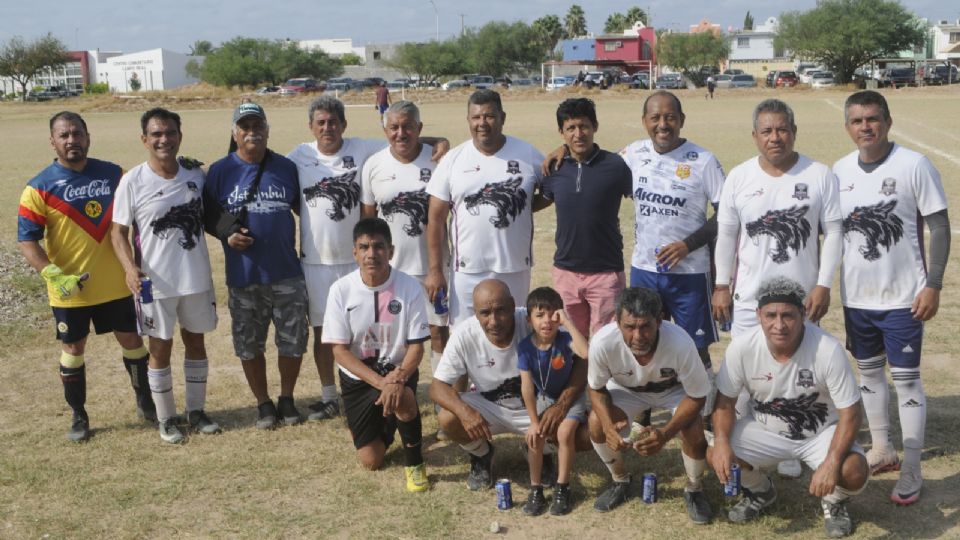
[(303, 481)]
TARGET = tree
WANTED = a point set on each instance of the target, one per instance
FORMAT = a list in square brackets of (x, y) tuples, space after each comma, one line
[(250, 62), (575, 23), (549, 31), (22, 61), (135, 83), (428, 61), (748, 21), (618, 22), (688, 53), (635, 14), (201, 47), (350, 59), (498, 48), (846, 34)]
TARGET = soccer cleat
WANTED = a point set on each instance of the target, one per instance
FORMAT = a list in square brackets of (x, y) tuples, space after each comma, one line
[(613, 496), (288, 411), (882, 460), (323, 410), (442, 435), (267, 415), (416, 475), (751, 504), (836, 519), (907, 489), (790, 468), (146, 410), (697, 507), (199, 421), (170, 433), (561, 500), (481, 471), (79, 427), (536, 503), (548, 472)]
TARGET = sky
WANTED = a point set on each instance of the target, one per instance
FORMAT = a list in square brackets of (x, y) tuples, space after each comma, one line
[(131, 26)]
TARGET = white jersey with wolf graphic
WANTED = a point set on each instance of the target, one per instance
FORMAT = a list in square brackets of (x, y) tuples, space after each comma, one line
[(796, 399), (779, 219), (167, 217), (671, 193), (399, 190), (491, 199), (883, 266), (330, 198)]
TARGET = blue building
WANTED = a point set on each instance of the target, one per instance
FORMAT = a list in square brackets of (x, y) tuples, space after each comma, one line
[(579, 49)]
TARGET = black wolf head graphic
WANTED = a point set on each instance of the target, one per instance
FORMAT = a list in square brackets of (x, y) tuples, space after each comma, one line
[(507, 197), (878, 225), (413, 204), (788, 227), (342, 192), (800, 414), (508, 389), (187, 218)]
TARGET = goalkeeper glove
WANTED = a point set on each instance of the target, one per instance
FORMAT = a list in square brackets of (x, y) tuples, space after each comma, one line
[(64, 284)]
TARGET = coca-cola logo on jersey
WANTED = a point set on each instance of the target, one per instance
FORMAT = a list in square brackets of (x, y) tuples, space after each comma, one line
[(96, 188)]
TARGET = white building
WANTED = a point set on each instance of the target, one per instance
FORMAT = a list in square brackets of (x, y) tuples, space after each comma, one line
[(74, 75), (945, 38), (156, 69), (334, 47)]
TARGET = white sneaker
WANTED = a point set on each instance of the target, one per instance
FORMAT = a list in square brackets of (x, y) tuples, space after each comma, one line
[(170, 433), (881, 460), (907, 490), (790, 468)]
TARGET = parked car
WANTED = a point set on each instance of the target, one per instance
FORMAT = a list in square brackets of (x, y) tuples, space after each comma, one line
[(807, 76), (822, 79), (483, 82), (732, 72), (672, 81), (785, 79), (371, 82), (523, 82), (942, 74), (396, 85), (339, 87), (743, 81), (557, 83), (805, 71), (899, 77), (723, 81), (267, 90), (302, 85), (771, 75), (640, 80), (455, 84)]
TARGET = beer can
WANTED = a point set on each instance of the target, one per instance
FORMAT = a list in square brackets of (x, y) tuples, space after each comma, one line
[(732, 487), (440, 302), (146, 290), (504, 494), (649, 488), (662, 268), (726, 326)]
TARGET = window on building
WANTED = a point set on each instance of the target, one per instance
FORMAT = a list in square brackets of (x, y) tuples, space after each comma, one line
[(954, 37), (612, 45), (376, 55), (743, 42)]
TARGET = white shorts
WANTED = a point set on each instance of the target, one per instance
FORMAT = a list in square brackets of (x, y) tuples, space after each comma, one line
[(633, 403), (432, 318), (320, 278), (501, 419), (461, 293), (744, 319), (763, 449), (197, 313)]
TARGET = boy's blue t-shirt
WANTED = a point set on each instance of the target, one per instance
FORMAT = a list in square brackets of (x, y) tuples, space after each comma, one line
[(550, 368)]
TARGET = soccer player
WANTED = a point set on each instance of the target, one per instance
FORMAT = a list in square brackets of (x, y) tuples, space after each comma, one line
[(639, 362), (382, 98), (547, 358), (887, 192), (251, 196), (376, 322), (163, 200), (587, 188), (69, 206), (488, 184), (804, 404)]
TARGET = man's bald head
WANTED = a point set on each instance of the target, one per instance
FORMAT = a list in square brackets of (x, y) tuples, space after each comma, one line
[(494, 308), (491, 288)]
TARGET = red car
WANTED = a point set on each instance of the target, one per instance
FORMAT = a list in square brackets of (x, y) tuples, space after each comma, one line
[(785, 79), (295, 87)]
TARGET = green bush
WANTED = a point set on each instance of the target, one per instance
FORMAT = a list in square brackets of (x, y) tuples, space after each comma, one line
[(96, 88)]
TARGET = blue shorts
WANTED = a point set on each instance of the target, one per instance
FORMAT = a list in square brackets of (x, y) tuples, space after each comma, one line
[(871, 332), (686, 300), (382, 108)]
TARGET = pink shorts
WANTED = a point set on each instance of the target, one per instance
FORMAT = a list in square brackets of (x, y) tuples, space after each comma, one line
[(589, 298)]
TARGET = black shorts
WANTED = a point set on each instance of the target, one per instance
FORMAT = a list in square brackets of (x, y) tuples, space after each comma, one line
[(364, 418), (73, 323)]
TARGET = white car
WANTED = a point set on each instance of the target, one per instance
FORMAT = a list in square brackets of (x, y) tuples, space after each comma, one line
[(556, 83), (723, 81), (455, 84), (822, 79)]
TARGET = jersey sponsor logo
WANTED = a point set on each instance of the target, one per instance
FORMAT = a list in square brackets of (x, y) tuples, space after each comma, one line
[(805, 378), (425, 174), (642, 179), (412, 204), (192, 186), (878, 225), (95, 188), (186, 218), (692, 156), (649, 196), (888, 187), (341, 191), (475, 168), (802, 414), (93, 209), (667, 373), (349, 163), (507, 198), (788, 227), (801, 191), (757, 193), (683, 171), (763, 377), (394, 307), (845, 189), (489, 363), (62, 327), (513, 167)]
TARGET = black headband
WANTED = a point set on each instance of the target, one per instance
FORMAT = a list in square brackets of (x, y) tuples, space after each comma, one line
[(787, 298)]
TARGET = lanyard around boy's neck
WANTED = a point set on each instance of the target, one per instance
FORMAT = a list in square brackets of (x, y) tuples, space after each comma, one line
[(545, 380)]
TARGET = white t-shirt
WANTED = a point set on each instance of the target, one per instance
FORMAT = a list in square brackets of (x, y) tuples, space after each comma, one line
[(491, 199), (492, 369), (883, 265), (670, 194), (377, 322), (400, 192), (167, 216), (330, 198), (796, 399), (675, 362), (779, 220)]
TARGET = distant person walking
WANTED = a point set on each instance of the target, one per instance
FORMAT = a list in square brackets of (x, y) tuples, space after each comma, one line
[(383, 99)]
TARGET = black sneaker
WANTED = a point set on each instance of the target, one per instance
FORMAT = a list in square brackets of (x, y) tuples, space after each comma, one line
[(614, 496), (548, 472), (79, 427), (536, 503), (323, 410), (288, 411), (199, 421), (561, 500), (697, 507), (267, 415), (481, 471)]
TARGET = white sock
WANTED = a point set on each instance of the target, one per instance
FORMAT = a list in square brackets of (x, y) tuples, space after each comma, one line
[(694, 469), (478, 448), (840, 494), (876, 399), (613, 460), (913, 412), (435, 357), (328, 393), (754, 480), (161, 387), (195, 374)]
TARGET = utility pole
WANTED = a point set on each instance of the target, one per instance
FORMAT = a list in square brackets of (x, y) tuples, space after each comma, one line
[(436, 16), (462, 29)]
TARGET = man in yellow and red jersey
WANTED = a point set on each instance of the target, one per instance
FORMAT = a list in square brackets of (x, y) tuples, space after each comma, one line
[(69, 206)]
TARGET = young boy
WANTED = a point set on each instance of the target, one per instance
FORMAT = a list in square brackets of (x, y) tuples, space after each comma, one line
[(547, 359)]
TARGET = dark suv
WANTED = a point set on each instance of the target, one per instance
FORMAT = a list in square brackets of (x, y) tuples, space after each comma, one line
[(900, 77)]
